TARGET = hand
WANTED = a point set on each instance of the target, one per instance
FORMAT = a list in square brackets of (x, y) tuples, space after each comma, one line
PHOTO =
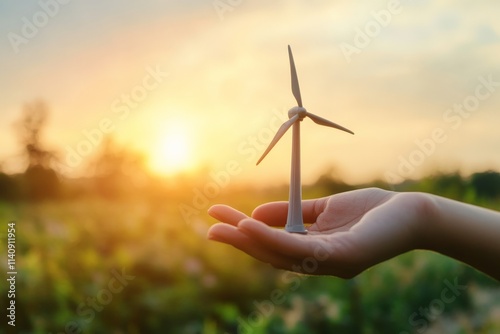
[(350, 231)]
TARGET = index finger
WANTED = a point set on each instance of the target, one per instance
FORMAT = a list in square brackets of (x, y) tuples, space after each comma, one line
[(275, 213), (226, 214)]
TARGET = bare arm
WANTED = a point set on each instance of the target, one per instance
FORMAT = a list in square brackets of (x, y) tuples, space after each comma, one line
[(353, 231), (467, 233)]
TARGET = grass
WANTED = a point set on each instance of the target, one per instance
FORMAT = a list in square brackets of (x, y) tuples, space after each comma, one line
[(69, 251)]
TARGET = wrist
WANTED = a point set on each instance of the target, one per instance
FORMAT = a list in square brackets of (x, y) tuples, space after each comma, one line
[(426, 213)]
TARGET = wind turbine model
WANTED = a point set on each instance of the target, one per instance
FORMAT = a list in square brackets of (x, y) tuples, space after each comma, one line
[(294, 222)]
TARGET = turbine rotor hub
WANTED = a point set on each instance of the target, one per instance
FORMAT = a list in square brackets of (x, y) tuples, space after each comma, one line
[(297, 111)]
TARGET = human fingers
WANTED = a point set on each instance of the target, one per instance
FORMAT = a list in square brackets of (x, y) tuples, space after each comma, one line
[(275, 213), (292, 252), (314, 254), (226, 214), (288, 244), (235, 237), (225, 233)]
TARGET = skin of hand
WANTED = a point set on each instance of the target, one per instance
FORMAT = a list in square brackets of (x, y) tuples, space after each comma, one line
[(352, 231)]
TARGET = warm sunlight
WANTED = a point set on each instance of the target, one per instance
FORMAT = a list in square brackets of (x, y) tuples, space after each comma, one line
[(173, 152)]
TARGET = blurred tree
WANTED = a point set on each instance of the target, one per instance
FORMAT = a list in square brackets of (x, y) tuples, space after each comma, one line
[(330, 183), (449, 185), (40, 181), (8, 188), (116, 170), (486, 184), (29, 127)]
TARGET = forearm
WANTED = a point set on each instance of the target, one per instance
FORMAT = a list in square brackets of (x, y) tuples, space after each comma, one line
[(465, 232)]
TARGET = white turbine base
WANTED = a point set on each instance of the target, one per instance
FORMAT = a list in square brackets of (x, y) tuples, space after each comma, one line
[(295, 228)]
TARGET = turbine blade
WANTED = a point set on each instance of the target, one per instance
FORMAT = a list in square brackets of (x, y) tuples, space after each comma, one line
[(295, 80), (325, 122), (281, 131)]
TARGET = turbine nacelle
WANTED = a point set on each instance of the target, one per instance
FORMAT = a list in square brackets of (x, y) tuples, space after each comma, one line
[(301, 111)]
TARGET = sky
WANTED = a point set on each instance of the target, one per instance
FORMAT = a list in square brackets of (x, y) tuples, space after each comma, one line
[(206, 83)]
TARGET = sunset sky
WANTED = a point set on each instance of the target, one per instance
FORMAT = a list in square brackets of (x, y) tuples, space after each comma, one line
[(207, 83)]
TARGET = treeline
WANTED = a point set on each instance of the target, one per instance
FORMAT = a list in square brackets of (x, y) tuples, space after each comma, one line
[(111, 172), (480, 187), (116, 172)]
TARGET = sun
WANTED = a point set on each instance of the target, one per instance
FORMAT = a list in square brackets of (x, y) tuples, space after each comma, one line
[(172, 152)]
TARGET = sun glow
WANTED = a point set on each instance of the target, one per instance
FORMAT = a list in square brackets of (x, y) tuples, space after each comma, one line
[(173, 151)]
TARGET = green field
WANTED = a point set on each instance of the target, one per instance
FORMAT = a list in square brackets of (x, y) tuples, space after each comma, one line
[(134, 265)]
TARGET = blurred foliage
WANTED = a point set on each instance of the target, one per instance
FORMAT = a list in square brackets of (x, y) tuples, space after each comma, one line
[(69, 248), (29, 128), (114, 253)]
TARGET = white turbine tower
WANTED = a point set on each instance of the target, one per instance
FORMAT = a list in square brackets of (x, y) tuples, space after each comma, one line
[(294, 221)]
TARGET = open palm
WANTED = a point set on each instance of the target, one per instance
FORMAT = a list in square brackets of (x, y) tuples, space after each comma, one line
[(349, 232)]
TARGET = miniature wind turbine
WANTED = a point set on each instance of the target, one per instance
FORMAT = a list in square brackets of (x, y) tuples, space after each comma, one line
[(295, 223)]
